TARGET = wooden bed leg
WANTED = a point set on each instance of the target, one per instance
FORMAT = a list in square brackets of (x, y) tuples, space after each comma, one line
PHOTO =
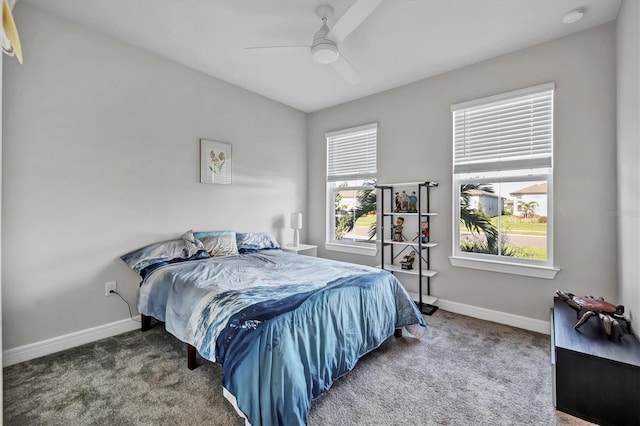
[(191, 357), (146, 323), (398, 332)]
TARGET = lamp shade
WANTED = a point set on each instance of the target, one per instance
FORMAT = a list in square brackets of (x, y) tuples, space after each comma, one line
[(296, 220)]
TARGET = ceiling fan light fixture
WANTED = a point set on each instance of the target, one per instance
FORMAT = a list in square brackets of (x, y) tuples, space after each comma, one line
[(324, 53), (573, 16)]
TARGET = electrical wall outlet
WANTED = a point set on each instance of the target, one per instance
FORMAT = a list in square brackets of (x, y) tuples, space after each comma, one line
[(111, 285)]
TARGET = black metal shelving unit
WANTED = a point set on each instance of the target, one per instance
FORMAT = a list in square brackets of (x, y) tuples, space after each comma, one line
[(391, 251)]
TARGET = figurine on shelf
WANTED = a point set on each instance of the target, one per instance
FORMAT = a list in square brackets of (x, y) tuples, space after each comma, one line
[(424, 229), (413, 203), (404, 201), (397, 201), (397, 230), (407, 261)]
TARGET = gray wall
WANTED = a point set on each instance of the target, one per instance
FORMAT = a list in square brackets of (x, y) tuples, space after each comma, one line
[(415, 132), (1, 347), (101, 156), (628, 113)]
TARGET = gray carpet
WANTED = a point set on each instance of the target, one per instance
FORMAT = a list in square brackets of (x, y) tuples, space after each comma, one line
[(462, 372)]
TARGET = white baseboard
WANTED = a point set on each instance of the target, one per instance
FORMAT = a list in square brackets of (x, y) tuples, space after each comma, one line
[(487, 314), (71, 340), (518, 321), (67, 341)]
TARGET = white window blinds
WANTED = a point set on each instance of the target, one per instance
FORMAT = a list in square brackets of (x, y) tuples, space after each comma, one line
[(504, 132), (351, 153)]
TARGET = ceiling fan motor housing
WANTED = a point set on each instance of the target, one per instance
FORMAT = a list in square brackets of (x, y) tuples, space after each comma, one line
[(324, 51)]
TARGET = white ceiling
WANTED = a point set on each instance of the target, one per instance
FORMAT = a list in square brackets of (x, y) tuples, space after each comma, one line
[(400, 42)]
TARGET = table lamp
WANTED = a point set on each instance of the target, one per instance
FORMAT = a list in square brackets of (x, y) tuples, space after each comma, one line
[(296, 224)]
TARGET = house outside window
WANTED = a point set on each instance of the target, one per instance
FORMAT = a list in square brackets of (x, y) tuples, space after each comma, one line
[(502, 182), (351, 196)]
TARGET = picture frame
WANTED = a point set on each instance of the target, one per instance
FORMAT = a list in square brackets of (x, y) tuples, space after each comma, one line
[(215, 162)]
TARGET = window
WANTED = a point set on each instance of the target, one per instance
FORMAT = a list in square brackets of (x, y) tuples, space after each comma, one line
[(502, 182), (351, 196)]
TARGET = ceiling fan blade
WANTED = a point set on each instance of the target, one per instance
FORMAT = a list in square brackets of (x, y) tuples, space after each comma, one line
[(283, 49), (346, 70), (352, 18)]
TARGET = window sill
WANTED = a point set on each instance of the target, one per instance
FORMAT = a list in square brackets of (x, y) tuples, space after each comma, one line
[(352, 248), (546, 272)]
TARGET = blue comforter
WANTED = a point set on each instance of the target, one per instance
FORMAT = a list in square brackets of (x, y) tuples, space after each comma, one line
[(283, 326)]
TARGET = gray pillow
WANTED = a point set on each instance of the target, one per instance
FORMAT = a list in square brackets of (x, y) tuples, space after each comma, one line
[(151, 257), (218, 243)]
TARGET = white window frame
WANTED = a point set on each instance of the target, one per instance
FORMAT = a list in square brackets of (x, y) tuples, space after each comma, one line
[(367, 249), (490, 172)]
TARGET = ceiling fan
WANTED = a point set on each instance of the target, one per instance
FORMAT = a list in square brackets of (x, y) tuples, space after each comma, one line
[(324, 47)]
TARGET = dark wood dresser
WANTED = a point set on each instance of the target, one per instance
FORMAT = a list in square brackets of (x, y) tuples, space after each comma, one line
[(594, 378)]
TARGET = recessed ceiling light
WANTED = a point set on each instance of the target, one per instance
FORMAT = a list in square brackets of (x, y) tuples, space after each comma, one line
[(573, 16)]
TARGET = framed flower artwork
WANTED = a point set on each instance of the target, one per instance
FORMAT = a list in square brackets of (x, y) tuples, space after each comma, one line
[(215, 162)]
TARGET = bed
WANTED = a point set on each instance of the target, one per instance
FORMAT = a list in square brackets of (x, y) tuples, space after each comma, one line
[(284, 327)]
